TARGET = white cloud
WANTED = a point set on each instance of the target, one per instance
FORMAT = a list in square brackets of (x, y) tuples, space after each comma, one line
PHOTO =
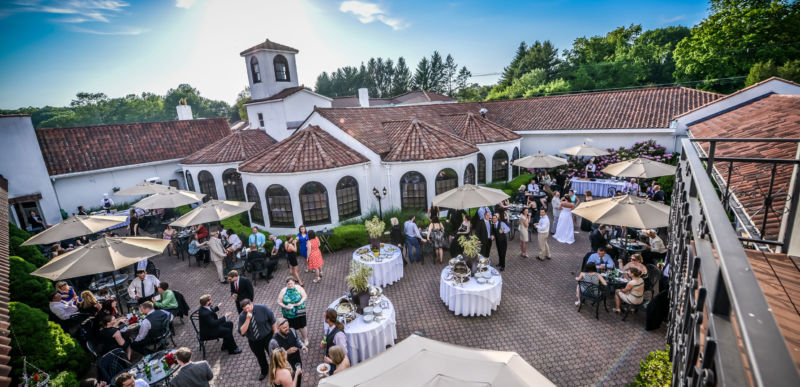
[(82, 10), (119, 31), (664, 20), (369, 12), (184, 3)]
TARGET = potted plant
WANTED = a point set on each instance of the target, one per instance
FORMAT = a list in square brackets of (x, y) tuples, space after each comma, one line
[(471, 248), (358, 282), (375, 229)]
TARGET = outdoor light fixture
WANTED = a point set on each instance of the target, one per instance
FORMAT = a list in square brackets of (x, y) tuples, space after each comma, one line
[(380, 198)]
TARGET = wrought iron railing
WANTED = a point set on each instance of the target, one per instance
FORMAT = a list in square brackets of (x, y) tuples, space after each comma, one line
[(721, 329)]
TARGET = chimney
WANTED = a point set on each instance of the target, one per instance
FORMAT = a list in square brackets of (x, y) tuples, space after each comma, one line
[(184, 110), (363, 97)]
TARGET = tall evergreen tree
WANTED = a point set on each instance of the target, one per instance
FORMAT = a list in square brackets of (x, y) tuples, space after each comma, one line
[(401, 81), (437, 74), (422, 77), (450, 73), (510, 72)]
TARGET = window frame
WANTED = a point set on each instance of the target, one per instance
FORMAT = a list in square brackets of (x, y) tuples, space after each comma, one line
[(261, 120), (497, 166), (280, 59), (481, 176), (342, 202), (275, 213), (208, 183), (470, 171), (515, 170), (230, 183), (256, 212), (406, 202), (255, 69), (442, 183), (319, 199), (189, 181)]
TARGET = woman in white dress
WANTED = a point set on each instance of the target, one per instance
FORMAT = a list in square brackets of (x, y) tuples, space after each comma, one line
[(565, 230)]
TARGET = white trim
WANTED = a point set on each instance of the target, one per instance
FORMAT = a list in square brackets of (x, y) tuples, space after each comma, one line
[(498, 143), (284, 98), (112, 169), (313, 171), (234, 164), (596, 131), (268, 50), (406, 162)]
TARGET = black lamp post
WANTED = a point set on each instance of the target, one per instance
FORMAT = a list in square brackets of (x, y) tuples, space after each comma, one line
[(379, 197)]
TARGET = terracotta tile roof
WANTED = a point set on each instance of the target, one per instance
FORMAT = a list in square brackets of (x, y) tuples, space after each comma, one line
[(87, 148), (308, 149), (771, 117), (279, 95), (237, 146), (5, 295), (625, 109), (477, 130), (416, 140), (411, 97), (737, 93), (269, 45)]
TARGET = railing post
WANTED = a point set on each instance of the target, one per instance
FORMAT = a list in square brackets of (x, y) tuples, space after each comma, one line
[(712, 147), (768, 200)]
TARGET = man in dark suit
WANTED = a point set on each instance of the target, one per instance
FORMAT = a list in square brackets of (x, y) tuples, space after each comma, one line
[(191, 374), (597, 238), (500, 232), (484, 231), (241, 288), (213, 327), (658, 194)]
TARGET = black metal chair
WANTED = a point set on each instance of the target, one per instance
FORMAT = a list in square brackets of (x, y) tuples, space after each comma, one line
[(195, 319), (256, 267), (162, 342), (612, 191), (111, 364), (182, 309), (593, 293), (232, 263)]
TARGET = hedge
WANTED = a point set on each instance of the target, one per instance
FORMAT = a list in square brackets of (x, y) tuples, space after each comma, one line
[(64, 379), (28, 288), (654, 371), (354, 235), (28, 253), (43, 342), (14, 231)]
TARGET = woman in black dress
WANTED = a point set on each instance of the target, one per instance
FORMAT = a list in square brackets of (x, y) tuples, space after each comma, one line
[(110, 337), (397, 237), (133, 224)]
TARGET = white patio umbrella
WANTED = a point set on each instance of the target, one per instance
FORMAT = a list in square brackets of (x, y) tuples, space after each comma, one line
[(74, 226), (640, 168), (144, 188), (539, 160), (625, 210), (469, 196), (417, 361), (169, 199), (584, 150), (212, 211)]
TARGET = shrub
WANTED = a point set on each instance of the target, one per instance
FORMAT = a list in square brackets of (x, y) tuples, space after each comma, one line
[(183, 210), (64, 379), (655, 370), (28, 288), (14, 231), (354, 235), (522, 179), (666, 183), (43, 342), (239, 223), (28, 253)]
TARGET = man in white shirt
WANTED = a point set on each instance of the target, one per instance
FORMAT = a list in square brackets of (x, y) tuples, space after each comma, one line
[(143, 287), (153, 326), (542, 228), (276, 249), (413, 236), (234, 242), (62, 310), (533, 187), (107, 203), (482, 212)]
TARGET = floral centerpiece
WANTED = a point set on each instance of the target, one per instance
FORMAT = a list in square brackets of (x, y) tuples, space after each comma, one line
[(471, 248), (375, 229), (358, 282)]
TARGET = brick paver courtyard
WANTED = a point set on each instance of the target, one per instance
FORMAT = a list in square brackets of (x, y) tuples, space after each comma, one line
[(536, 318)]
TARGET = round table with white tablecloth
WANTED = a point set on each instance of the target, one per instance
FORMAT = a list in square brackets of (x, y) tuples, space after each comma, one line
[(471, 298), (598, 187), (367, 339), (387, 268)]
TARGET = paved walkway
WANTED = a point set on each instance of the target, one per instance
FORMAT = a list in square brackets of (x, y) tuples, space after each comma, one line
[(536, 317)]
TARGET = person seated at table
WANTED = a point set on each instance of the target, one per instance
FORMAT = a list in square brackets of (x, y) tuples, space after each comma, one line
[(657, 249), (196, 248), (89, 304), (601, 260), (589, 274), (143, 287), (650, 189), (191, 373), (56, 250), (168, 234), (127, 379), (334, 334), (167, 299), (67, 293), (521, 195), (254, 255), (636, 261), (82, 240), (338, 360), (201, 231), (658, 194), (60, 308), (110, 337), (234, 242), (597, 238), (151, 328), (533, 186), (278, 249), (109, 308), (632, 293), (258, 238), (214, 327), (280, 372)]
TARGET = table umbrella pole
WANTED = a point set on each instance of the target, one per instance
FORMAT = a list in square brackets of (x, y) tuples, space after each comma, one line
[(116, 291)]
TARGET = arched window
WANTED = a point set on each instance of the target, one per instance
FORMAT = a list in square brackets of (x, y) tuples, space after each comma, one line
[(256, 215), (314, 204), (481, 169), (279, 206), (347, 198), (207, 185), (232, 182), (189, 181), (469, 174), (500, 166), (515, 156), (255, 70), (446, 180), (281, 68), (414, 192)]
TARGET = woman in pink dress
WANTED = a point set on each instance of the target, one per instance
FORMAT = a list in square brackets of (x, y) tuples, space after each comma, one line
[(314, 255)]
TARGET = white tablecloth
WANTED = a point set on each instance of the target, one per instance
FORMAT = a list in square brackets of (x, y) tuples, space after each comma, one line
[(471, 298), (386, 272), (365, 340), (598, 187)]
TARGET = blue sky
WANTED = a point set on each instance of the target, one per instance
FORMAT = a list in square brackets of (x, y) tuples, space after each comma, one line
[(52, 49)]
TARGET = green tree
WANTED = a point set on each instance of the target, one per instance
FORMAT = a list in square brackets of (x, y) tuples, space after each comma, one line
[(652, 52), (437, 74), (763, 70), (534, 83), (422, 77), (737, 35), (510, 72), (239, 107), (401, 80)]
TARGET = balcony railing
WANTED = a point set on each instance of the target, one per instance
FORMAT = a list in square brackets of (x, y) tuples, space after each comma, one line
[(721, 329)]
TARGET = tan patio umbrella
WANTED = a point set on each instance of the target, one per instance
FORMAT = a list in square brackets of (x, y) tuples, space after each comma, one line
[(212, 211), (469, 196), (625, 210), (417, 361), (75, 226), (640, 168), (584, 150), (144, 188), (169, 199), (539, 160)]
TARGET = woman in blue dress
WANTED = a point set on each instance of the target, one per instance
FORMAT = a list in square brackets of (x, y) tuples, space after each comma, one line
[(302, 238)]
